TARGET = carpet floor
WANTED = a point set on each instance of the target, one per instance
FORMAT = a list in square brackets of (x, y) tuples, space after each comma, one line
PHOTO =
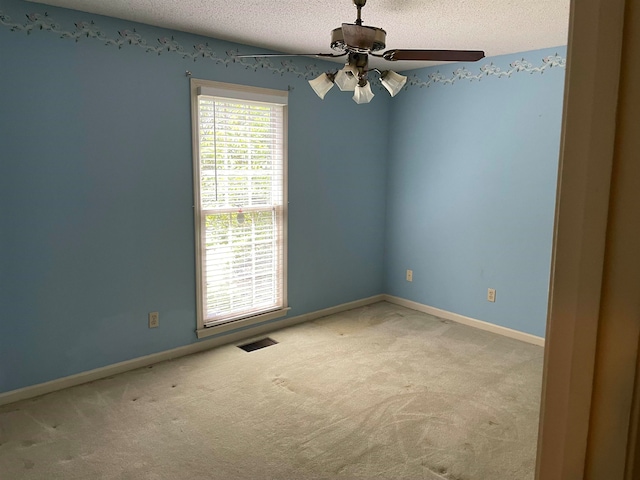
[(379, 392)]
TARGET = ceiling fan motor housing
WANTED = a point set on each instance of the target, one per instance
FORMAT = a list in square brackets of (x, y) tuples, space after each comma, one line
[(358, 38)]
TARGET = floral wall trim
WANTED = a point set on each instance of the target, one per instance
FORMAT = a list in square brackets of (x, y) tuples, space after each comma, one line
[(519, 66), (202, 51), (163, 45)]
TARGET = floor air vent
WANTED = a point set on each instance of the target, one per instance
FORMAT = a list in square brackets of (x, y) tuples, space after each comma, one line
[(257, 345)]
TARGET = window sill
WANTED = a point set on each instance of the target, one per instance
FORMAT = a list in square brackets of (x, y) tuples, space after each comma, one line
[(243, 323)]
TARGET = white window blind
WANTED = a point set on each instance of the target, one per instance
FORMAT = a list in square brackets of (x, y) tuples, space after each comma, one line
[(241, 206)]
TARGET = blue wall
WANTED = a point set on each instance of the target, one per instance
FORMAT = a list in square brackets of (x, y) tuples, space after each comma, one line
[(96, 218), (96, 222), (471, 192)]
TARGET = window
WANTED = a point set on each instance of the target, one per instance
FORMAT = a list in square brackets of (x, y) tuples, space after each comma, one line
[(239, 143)]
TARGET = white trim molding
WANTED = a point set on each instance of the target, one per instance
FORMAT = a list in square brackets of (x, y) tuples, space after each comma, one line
[(588, 419), (121, 367), (260, 329), (242, 322), (472, 322), (228, 317)]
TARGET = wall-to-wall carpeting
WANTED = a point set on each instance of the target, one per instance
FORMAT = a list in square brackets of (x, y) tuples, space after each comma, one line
[(380, 392)]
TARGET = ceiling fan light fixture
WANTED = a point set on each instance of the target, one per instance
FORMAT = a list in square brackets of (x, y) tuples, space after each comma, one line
[(322, 84), (393, 81), (363, 94), (346, 80), (358, 41)]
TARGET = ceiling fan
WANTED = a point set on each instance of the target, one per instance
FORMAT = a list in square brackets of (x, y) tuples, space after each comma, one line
[(357, 41)]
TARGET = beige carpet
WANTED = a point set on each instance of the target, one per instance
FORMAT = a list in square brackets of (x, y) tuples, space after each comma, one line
[(380, 392)]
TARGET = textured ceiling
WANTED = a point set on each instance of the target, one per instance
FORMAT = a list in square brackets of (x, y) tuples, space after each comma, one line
[(495, 26)]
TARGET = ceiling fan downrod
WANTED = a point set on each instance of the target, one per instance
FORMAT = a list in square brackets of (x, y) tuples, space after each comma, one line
[(359, 4)]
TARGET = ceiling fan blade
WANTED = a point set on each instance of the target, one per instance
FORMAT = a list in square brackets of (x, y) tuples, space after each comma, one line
[(260, 55), (434, 55)]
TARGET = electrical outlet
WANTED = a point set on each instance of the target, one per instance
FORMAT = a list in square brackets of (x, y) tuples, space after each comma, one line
[(491, 294), (154, 319), (409, 275)]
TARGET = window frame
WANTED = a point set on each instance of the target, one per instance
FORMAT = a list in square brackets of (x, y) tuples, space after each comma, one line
[(248, 93)]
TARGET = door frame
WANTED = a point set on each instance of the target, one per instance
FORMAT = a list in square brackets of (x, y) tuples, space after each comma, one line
[(574, 326)]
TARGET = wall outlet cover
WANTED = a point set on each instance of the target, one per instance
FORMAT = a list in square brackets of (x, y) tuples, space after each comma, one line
[(154, 320), (409, 275), (491, 294)]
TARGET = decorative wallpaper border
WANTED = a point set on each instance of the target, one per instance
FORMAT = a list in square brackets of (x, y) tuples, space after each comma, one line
[(202, 51), (519, 66)]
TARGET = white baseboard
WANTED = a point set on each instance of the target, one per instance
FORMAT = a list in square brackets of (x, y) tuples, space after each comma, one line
[(109, 370), (472, 322)]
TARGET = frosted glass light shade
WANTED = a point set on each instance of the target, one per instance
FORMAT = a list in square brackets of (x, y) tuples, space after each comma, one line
[(363, 94), (393, 81), (321, 85), (346, 82)]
